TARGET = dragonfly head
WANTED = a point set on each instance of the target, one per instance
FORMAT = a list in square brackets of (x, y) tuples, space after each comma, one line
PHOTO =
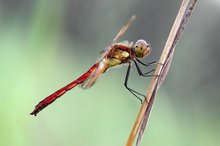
[(141, 48)]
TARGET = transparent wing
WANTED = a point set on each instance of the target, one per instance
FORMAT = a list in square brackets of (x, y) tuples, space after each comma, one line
[(123, 29), (102, 67), (117, 37)]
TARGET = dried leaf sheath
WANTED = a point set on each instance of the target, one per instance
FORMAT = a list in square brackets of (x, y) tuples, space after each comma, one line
[(162, 70), (165, 68)]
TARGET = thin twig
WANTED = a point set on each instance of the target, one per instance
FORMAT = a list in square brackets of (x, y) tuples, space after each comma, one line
[(161, 69)]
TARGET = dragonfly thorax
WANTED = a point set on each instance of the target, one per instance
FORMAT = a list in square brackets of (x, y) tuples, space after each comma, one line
[(141, 49)]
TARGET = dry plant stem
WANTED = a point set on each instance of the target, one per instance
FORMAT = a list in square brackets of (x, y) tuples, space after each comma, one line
[(165, 69), (145, 118), (161, 69)]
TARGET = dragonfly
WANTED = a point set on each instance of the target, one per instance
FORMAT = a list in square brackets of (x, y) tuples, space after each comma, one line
[(115, 54)]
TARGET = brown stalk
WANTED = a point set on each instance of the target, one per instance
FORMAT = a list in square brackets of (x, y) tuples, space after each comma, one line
[(161, 70)]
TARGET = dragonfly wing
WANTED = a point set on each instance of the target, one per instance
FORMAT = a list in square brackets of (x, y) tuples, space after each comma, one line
[(121, 32), (102, 67), (123, 29)]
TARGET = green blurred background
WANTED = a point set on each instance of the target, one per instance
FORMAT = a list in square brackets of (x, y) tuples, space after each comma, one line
[(45, 44)]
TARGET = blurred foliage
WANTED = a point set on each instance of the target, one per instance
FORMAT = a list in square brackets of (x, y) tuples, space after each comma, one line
[(45, 44)]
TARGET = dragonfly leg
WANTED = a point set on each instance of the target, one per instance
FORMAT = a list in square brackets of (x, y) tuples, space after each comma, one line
[(149, 64), (129, 89), (144, 74)]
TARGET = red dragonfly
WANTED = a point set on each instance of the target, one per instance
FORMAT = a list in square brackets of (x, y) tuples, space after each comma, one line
[(115, 54)]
